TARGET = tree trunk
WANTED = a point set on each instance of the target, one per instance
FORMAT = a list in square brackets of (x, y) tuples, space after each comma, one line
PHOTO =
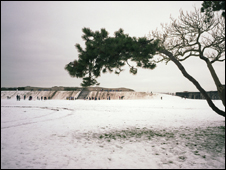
[(190, 78), (220, 87)]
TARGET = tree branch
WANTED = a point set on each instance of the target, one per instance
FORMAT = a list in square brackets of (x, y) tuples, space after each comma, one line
[(190, 78)]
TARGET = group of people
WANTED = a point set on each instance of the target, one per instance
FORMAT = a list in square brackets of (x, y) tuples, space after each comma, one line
[(120, 97), (95, 98), (92, 98), (108, 98), (70, 98), (30, 97), (17, 97), (45, 98)]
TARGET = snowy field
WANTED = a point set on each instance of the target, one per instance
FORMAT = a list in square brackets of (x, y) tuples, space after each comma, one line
[(154, 133)]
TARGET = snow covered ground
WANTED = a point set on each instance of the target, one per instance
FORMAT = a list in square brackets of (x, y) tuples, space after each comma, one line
[(154, 133)]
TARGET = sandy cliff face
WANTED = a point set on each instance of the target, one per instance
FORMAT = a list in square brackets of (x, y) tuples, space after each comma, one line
[(123, 95), (62, 95)]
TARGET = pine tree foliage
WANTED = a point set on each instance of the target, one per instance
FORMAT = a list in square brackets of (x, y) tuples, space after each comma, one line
[(103, 53), (208, 7)]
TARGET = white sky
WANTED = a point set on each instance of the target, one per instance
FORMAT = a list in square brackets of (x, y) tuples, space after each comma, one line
[(38, 38)]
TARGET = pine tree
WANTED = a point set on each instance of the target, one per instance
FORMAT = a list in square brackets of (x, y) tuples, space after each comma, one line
[(103, 53)]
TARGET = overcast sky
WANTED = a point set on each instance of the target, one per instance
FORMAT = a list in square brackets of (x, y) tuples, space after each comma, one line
[(38, 38)]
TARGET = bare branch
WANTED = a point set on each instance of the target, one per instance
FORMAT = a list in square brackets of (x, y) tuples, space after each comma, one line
[(182, 59), (190, 35)]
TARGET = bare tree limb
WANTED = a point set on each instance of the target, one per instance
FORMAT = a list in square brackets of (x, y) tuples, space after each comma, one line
[(193, 35)]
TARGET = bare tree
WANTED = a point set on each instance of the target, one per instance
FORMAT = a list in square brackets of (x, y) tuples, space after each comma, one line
[(194, 35)]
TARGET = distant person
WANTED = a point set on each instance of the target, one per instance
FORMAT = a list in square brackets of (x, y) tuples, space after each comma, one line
[(41, 97), (24, 97), (161, 98)]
